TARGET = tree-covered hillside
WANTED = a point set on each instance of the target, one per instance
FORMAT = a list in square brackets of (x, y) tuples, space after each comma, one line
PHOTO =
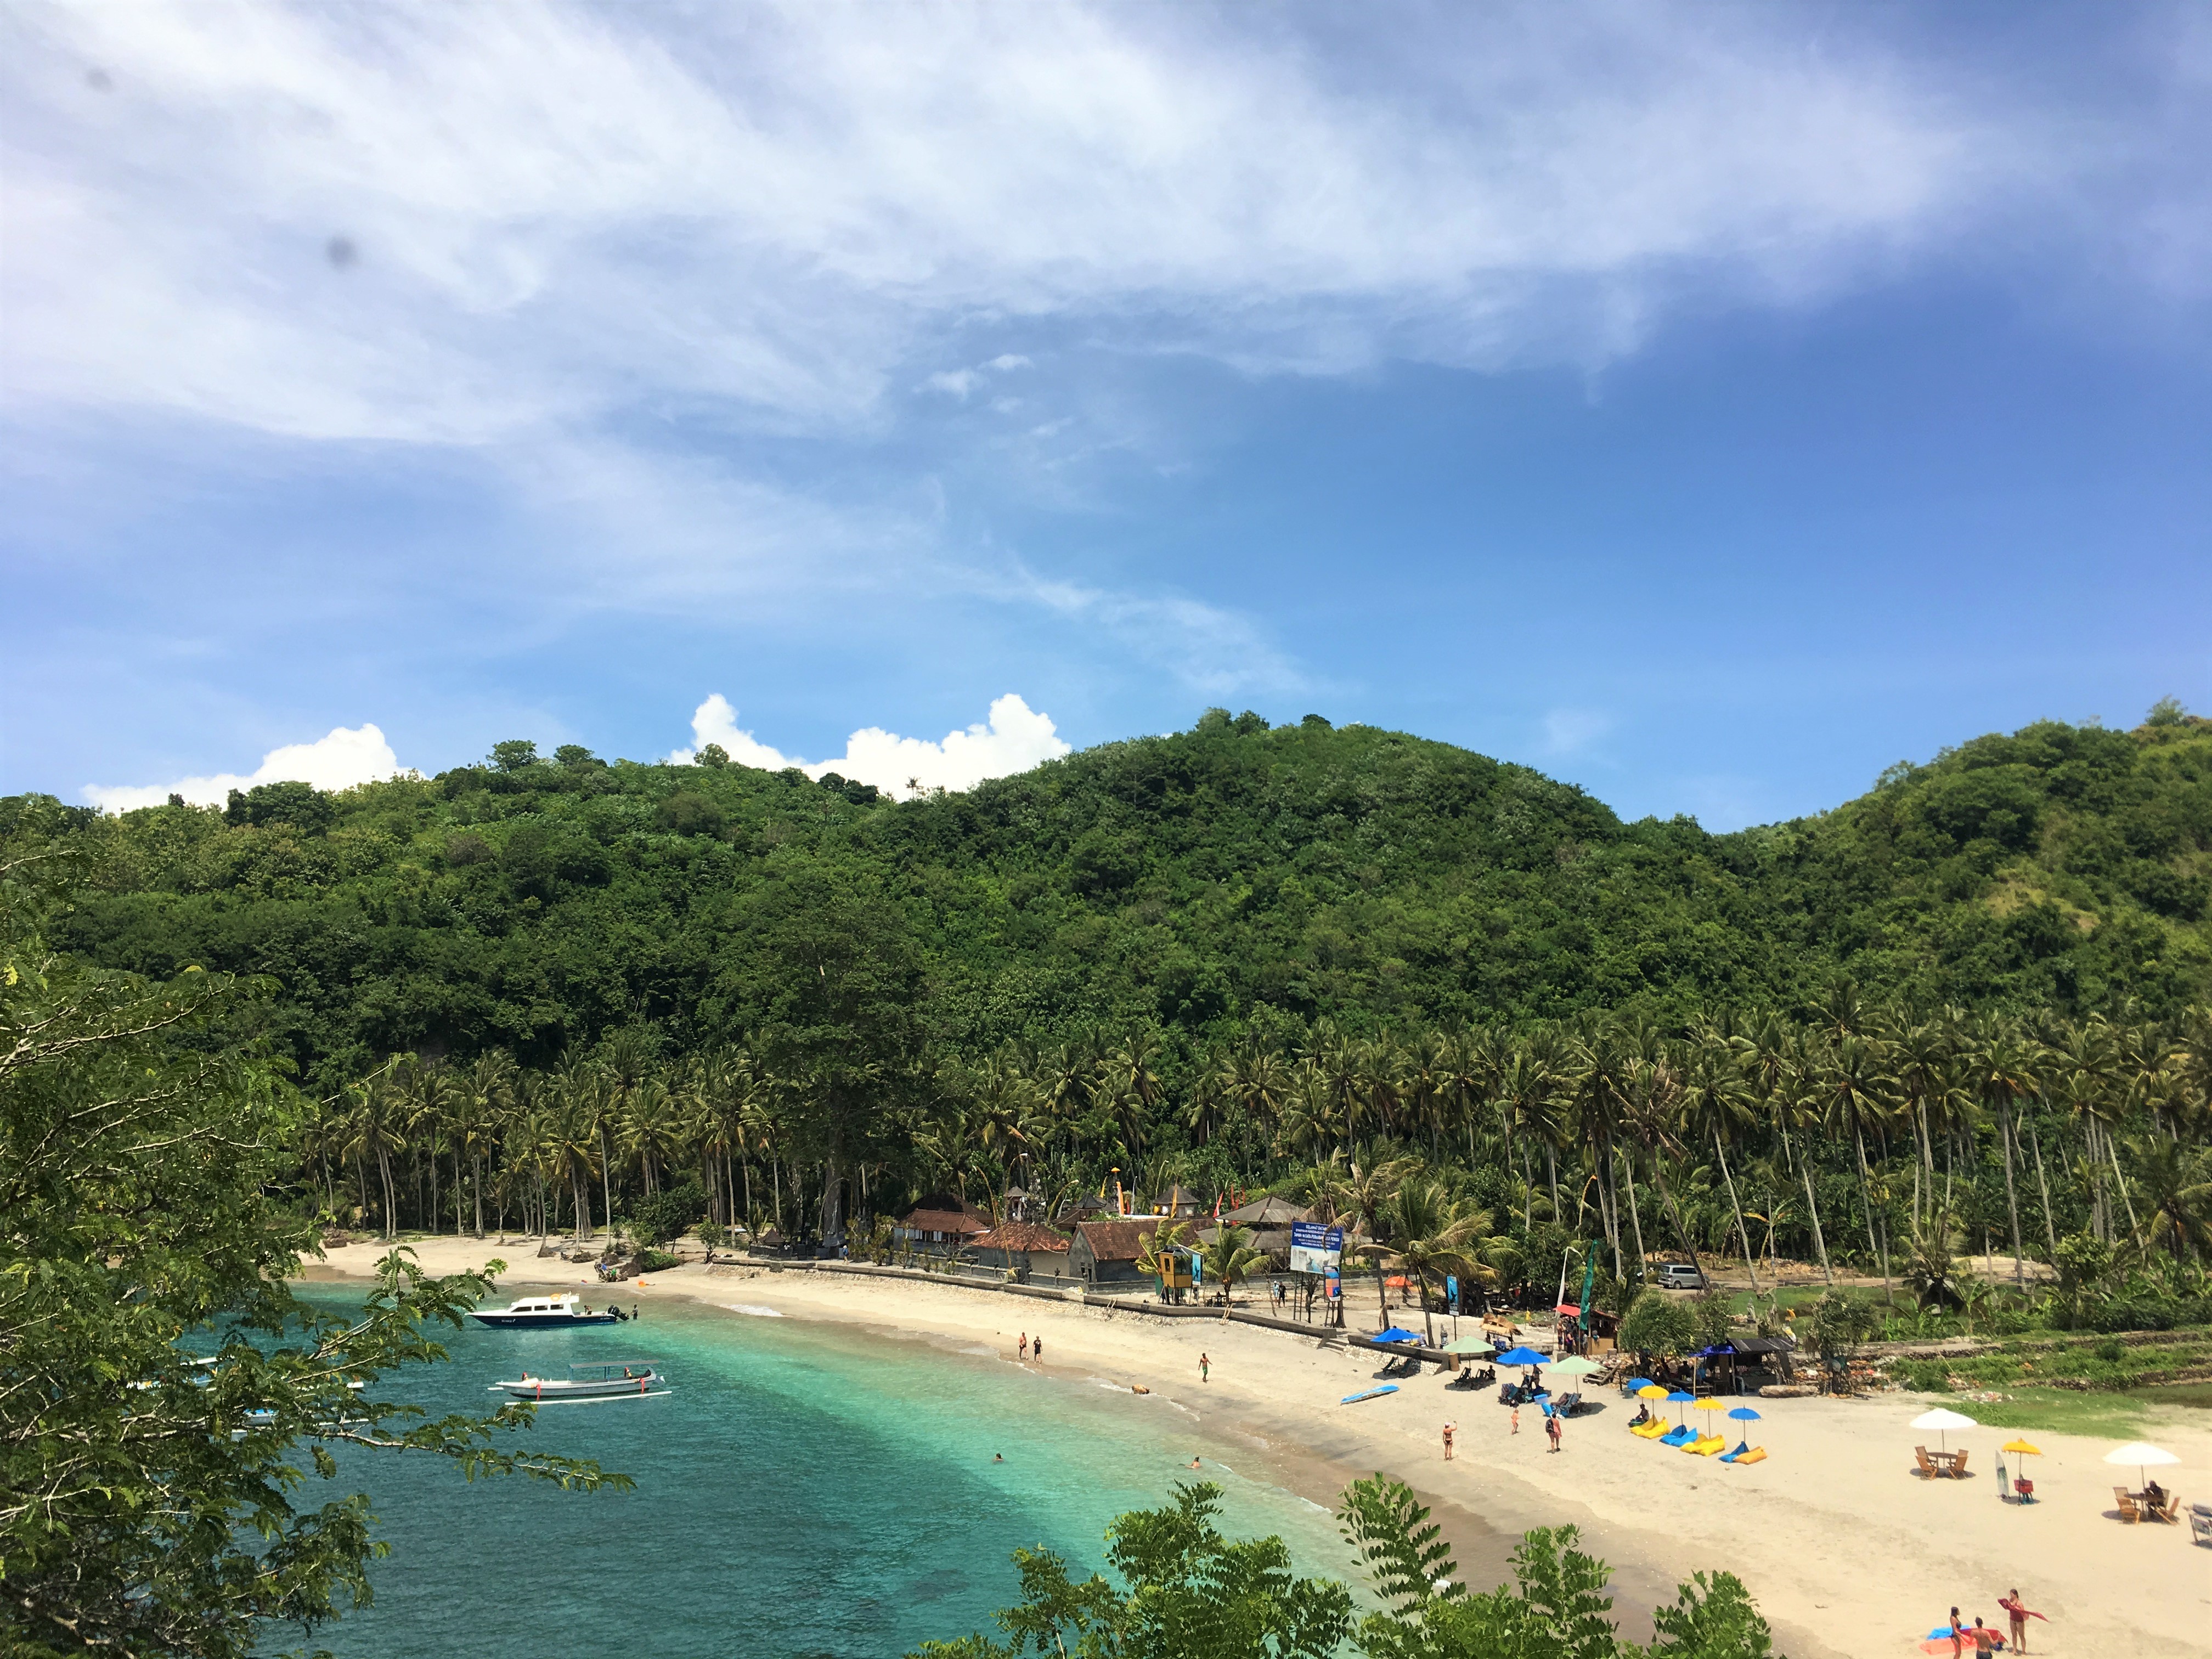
[(1233, 875)]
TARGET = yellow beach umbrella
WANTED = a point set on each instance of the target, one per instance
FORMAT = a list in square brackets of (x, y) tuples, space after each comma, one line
[(1708, 1404), (1652, 1391), (2022, 1446)]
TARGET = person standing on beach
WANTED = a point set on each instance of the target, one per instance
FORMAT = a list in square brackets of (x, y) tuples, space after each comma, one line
[(1449, 1427), (1516, 1419), (2020, 1612), (1205, 1366), (1024, 1348), (1037, 1349), (1958, 1635), (1552, 1428)]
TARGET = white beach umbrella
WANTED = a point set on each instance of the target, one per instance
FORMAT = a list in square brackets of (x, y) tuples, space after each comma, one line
[(1943, 1420), (2141, 1456)]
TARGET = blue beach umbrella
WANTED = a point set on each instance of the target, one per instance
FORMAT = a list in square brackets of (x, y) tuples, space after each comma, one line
[(1523, 1357), (1679, 1398), (1744, 1414), (1636, 1383), (1396, 1334)]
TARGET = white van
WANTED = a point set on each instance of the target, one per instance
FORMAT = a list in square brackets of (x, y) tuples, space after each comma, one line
[(1677, 1276)]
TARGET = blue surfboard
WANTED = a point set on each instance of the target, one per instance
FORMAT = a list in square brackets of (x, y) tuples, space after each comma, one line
[(1354, 1399)]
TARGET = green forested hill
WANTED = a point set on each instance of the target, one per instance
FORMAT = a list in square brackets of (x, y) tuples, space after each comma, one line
[(1232, 874)]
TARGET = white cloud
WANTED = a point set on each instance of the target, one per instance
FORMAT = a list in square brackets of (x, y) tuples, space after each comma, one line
[(1014, 739), (558, 212), (341, 760)]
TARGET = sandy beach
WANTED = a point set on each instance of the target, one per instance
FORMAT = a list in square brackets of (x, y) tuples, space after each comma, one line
[(1847, 1552)]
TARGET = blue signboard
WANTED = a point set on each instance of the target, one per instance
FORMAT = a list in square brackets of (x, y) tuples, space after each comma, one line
[(1314, 1248)]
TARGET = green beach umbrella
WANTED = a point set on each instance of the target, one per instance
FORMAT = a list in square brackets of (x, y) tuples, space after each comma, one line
[(1576, 1366)]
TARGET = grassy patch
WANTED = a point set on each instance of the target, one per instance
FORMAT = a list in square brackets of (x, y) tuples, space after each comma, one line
[(2058, 1410)]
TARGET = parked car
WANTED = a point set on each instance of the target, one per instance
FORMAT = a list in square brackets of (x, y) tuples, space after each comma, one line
[(1678, 1276)]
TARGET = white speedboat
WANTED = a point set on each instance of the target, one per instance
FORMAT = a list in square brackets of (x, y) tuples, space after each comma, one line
[(607, 1381), (537, 1312)]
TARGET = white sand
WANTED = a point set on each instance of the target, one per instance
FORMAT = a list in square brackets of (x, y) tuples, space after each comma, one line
[(1847, 1552)]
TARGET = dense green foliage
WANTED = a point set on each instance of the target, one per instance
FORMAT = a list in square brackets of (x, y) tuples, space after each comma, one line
[(158, 1383), (1188, 1592), (1230, 875), (1455, 1002)]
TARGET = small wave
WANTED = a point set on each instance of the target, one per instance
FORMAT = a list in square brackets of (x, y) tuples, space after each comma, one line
[(754, 1308)]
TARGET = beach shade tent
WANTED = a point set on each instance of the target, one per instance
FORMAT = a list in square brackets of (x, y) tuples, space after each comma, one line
[(1744, 1414), (1396, 1334), (1944, 1421), (2141, 1456)]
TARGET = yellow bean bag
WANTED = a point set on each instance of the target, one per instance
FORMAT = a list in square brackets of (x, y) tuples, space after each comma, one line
[(1652, 1429), (1707, 1447), (1756, 1454)]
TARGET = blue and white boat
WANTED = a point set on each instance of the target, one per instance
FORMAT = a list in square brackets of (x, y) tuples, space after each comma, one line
[(541, 1313)]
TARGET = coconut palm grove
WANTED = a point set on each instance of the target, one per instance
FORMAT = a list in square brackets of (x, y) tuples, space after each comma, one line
[(1968, 1011)]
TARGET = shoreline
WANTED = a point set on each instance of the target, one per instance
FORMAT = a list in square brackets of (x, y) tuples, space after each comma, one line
[(1844, 1552)]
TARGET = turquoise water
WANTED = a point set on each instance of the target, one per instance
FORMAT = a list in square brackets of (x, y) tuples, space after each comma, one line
[(806, 1490)]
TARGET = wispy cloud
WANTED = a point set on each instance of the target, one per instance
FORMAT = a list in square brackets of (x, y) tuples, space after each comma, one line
[(1573, 730)]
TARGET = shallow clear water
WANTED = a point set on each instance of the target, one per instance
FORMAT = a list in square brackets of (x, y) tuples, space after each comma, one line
[(804, 1490)]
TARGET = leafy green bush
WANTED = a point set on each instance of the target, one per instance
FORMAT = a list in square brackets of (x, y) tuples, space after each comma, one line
[(656, 1262), (665, 1215)]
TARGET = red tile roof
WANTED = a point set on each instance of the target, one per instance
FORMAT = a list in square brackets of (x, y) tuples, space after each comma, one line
[(1022, 1236), (1118, 1241)]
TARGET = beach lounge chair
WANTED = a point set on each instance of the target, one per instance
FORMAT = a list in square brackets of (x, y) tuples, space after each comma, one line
[(1565, 1405), (1927, 1463), (2126, 1499), (2200, 1523)]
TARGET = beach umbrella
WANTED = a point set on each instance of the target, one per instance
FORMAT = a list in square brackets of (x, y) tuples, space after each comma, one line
[(2141, 1456), (1635, 1383), (1944, 1421), (1652, 1391), (1396, 1334), (1467, 1345), (1523, 1357), (1679, 1398), (2022, 1446), (1744, 1414), (1578, 1366)]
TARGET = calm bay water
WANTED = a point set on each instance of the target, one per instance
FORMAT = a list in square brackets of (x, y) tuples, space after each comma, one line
[(806, 1490)]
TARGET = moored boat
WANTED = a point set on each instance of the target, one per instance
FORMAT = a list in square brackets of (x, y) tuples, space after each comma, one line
[(605, 1381), (536, 1312)]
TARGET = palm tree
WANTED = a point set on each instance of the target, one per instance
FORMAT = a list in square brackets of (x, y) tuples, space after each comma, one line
[(1129, 1083), (1435, 1238), (2004, 1075), (374, 1132), (2177, 1183), (1229, 1258), (1857, 1088), (488, 1096), (1716, 1103)]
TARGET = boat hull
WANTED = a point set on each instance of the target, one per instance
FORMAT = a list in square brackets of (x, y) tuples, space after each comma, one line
[(549, 1391), (531, 1321)]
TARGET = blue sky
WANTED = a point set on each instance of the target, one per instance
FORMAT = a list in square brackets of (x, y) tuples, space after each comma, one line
[(1711, 406)]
